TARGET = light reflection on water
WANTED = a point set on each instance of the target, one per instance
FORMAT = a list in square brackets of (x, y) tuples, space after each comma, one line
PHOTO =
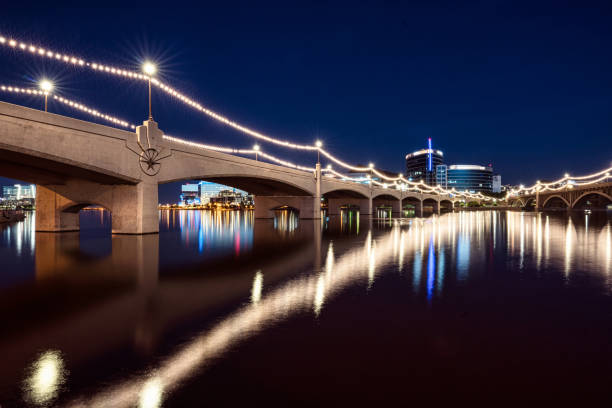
[(432, 257), (47, 374)]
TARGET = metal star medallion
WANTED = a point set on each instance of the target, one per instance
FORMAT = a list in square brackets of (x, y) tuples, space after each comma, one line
[(149, 162), (149, 159)]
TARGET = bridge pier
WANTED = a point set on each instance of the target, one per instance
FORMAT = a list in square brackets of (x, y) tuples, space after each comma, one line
[(418, 209), (133, 207), (49, 216)]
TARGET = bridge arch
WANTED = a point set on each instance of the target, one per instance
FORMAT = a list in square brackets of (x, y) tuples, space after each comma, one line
[(447, 205), (344, 193), (342, 198), (432, 203), (551, 200), (256, 185), (387, 194), (386, 203), (602, 199)]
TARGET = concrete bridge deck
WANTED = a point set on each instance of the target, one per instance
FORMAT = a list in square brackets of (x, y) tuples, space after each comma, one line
[(593, 196), (75, 164)]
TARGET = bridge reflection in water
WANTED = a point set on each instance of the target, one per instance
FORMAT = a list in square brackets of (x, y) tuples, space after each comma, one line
[(255, 274)]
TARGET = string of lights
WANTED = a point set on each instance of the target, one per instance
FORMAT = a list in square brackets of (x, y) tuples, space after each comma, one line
[(408, 185), (419, 186), (566, 181), (44, 52), (238, 151), (68, 102)]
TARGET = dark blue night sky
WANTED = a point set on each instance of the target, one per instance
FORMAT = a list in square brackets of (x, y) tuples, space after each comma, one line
[(524, 86)]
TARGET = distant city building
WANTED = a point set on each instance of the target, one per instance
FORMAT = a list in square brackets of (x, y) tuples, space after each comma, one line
[(205, 192), (209, 190), (228, 197), (422, 164), (19, 192), (442, 175), (190, 194), (497, 185), (471, 178)]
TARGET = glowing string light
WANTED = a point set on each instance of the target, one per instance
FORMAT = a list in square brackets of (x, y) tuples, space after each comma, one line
[(566, 181), (43, 52), (68, 102)]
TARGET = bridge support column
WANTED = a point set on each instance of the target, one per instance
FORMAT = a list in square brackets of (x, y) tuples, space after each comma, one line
[(368, 205), (49, 214), (396, 207), (418, 209), (133, 207), (436, 208), (317, 205)]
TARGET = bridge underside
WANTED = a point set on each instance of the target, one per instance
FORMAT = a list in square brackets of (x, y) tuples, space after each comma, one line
[(259, 186), (37, 170)]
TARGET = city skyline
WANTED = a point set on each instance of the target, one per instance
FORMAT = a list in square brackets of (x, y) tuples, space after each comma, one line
[(461, 84)]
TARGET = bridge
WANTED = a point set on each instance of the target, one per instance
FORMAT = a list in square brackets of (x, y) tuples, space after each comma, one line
[(569, 196), (76, 164)]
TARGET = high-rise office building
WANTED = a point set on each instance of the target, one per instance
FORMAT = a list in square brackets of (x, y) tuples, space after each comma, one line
[(190, 194), (201, 192), (497, 186), (19, 192), (209, 190), (422, 164), (470, 178)]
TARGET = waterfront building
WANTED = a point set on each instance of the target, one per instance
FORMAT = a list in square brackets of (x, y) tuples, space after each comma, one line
[(209, 190), (422, 164), (470, 177), (228, 197), (19, 192), (189, 194), (497, 186), (205, 192)]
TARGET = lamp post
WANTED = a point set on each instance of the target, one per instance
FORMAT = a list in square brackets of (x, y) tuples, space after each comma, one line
[(256, 148), (149, 69), (46, 86), (318, 144)]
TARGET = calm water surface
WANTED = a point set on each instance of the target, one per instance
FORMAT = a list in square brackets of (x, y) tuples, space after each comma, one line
[(220, 309)]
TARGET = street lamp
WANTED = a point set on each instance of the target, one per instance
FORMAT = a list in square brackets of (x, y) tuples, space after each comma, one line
[(150, 69), (256, 148), (318, 144), (46, 86)]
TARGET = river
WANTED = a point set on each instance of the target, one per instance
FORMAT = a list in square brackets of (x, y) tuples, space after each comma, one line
[(220, 309)]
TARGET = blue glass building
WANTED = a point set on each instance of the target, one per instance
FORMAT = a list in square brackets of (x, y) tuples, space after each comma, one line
[(469, 177)]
